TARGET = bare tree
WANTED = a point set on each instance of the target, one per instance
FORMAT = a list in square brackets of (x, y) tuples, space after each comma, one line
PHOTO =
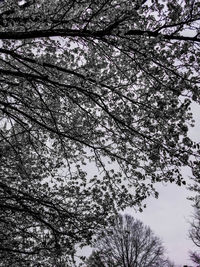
[(128, 243), (194, 233)]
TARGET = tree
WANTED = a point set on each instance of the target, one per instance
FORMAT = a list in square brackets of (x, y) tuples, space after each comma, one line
[(128, 243), (195, 257), (107, 83), (194, 233), (95, 260)]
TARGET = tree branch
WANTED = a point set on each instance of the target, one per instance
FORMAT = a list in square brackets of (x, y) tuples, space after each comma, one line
[(164, 36)]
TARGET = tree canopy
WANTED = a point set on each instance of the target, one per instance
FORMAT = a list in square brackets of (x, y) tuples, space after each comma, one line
[(106, 84)]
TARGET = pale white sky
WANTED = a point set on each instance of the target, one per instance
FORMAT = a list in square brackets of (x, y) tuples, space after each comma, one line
[(168, 216)]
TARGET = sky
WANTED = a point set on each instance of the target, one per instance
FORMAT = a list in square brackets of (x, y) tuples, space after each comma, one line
[(169, 215)]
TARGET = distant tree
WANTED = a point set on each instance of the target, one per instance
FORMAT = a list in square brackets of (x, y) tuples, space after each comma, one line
[(128, 243), (101, 83), (194, 233), (195, 257)]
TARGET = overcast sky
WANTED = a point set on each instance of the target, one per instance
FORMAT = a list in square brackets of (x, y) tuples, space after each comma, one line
[(168, 216)]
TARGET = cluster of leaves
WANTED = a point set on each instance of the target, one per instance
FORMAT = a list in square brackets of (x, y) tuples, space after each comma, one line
[(97, 83)]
